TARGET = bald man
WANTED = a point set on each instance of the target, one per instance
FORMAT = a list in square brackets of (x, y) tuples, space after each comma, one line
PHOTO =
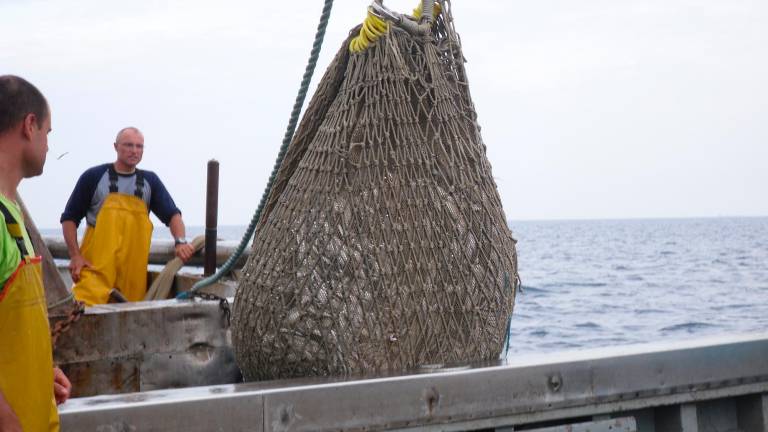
[(115, 199)]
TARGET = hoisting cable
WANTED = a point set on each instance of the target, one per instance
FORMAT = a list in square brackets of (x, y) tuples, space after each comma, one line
[(311, 63)]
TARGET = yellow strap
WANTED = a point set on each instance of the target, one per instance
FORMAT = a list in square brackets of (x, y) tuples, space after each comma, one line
[(15, 230), (26, 380), (373, 28)]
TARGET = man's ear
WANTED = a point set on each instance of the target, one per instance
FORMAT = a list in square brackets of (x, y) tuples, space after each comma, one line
[(29, 125)]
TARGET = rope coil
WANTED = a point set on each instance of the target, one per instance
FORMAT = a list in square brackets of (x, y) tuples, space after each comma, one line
[(372, 29)]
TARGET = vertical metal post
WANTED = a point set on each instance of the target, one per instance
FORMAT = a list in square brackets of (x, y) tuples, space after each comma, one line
[(211, 217)]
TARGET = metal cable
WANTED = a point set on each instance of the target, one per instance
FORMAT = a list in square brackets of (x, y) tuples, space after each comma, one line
[(308, 72)]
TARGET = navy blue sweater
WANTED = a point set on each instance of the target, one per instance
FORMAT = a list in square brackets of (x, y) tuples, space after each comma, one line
[(93, 187)]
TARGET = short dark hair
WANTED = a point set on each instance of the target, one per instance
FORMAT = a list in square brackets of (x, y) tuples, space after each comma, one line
[(18, 98)]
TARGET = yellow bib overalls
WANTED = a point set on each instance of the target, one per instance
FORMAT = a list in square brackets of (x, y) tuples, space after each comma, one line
[(117, 247), (26, 359)]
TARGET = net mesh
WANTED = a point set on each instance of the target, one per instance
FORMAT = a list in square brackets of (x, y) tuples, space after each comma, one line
[(383, 245)]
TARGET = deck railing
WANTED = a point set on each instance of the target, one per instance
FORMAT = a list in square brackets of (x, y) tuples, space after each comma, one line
[(718, 384)]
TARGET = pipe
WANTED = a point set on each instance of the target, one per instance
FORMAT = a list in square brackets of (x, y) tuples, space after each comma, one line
[(160, 251), (211, 217)]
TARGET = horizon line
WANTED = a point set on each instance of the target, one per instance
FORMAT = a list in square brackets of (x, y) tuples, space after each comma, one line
[(567, 219), (630, 218)]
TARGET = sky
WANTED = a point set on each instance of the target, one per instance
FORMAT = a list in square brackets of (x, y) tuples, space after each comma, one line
[(589, 110)]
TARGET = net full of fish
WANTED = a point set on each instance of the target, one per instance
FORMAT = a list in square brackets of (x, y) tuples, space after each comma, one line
[(383, 245)]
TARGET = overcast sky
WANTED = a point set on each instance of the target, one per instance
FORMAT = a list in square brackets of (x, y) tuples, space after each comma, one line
[(589, 109)]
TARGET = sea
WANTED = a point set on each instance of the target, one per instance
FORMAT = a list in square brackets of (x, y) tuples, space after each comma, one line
[(598, 283)]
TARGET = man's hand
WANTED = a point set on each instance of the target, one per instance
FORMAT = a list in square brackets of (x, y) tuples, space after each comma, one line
[(184, 252), (76, 265), (61, 386), (8, 420)]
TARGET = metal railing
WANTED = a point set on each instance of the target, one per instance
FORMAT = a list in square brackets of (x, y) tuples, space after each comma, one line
[(683, 386), (160, 252)]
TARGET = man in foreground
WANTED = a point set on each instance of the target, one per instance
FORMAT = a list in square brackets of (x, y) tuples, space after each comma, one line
[(115, 199), (28, 381)]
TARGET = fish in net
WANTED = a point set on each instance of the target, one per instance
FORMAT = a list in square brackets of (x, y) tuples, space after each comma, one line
[(383, 244)]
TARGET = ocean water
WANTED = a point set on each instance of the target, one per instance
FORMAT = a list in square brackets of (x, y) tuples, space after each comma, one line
[(590, 284)]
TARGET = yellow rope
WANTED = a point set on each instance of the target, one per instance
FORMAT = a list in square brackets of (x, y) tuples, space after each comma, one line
[(373, 28)]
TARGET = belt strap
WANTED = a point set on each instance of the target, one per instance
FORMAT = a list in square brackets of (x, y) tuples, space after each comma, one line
[(112, 179), (139, 192), (139, 184), (14, 229)]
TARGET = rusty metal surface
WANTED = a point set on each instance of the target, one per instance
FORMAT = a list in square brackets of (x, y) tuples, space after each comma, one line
[(103, 376), (130, 347)]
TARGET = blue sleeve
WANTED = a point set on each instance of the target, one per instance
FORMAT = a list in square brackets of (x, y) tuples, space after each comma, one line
[(80, 200), (161, 203)]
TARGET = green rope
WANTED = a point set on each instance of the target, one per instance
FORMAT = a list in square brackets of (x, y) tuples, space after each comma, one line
[(319, 36)]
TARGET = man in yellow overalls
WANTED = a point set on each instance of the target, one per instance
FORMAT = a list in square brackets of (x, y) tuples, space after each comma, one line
[(115, 200), (29, 384)]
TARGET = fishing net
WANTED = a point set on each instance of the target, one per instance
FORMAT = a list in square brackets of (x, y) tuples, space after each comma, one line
[(383, 245)]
